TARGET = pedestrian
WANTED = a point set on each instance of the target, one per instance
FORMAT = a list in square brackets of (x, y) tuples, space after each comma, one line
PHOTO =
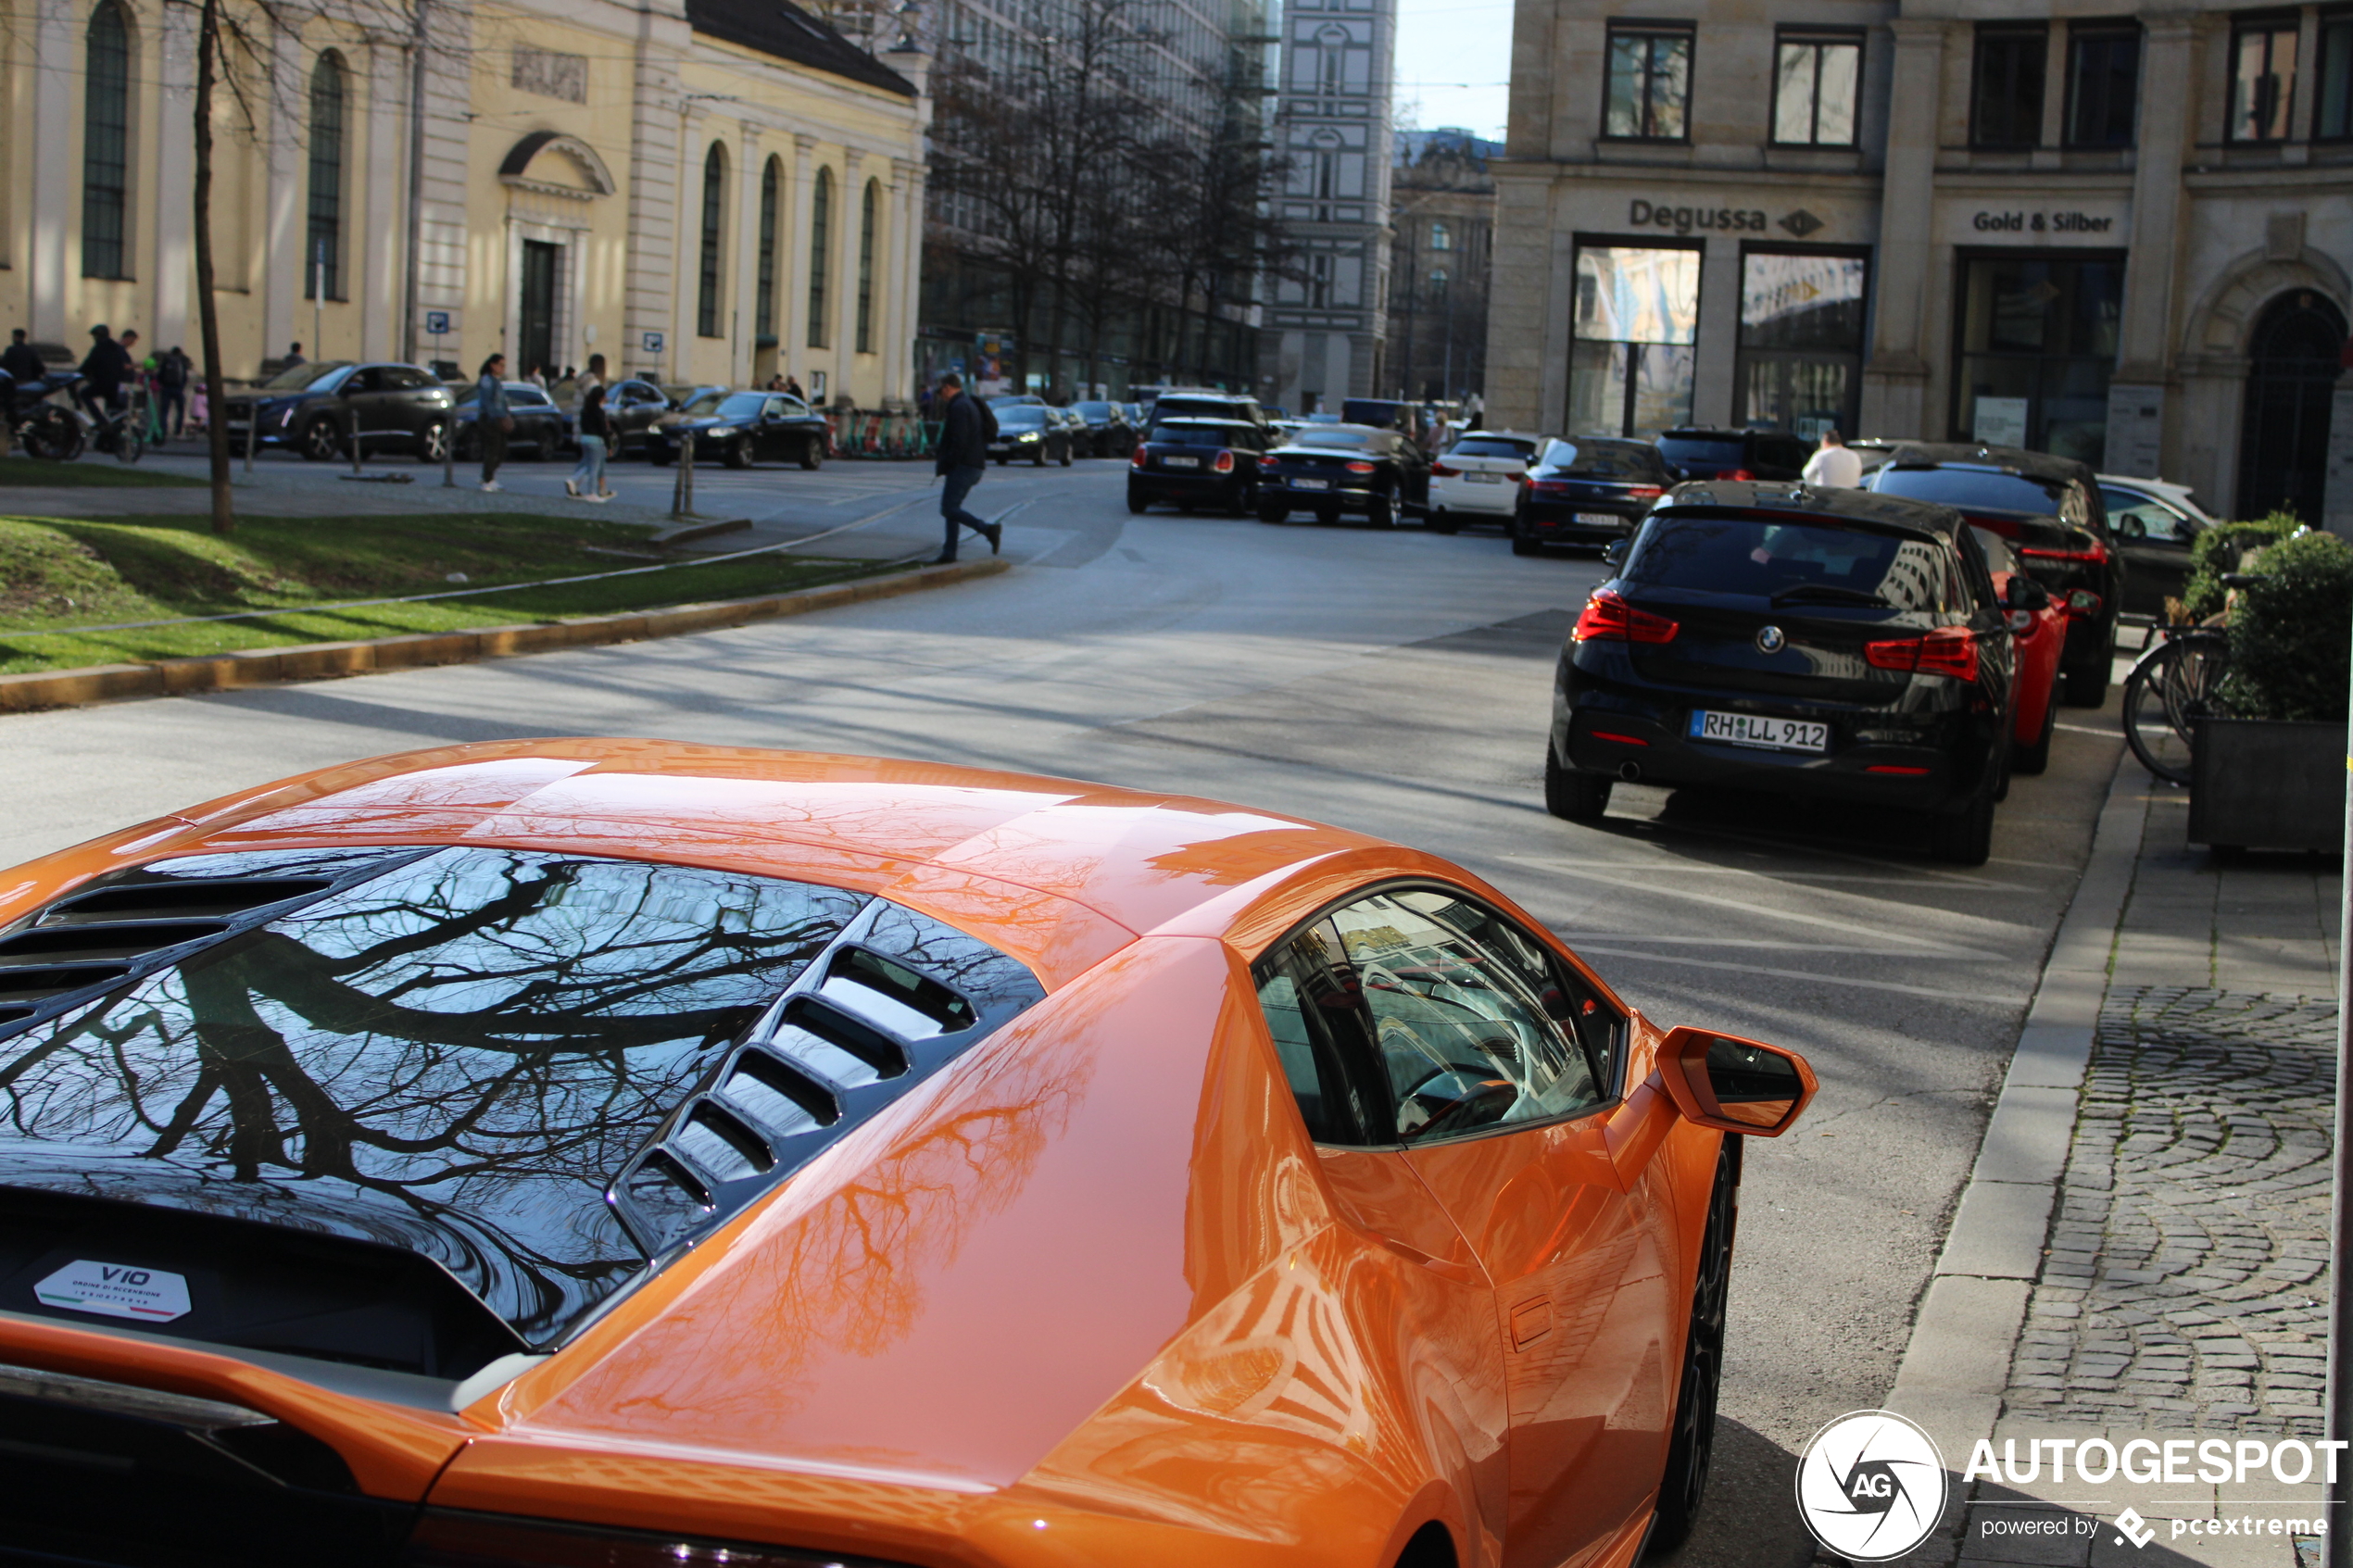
[(793, 387), (294, 355), (171, 390), (104, 369), (596, 376), (966, 428), (21, 360), (1833, 465), (490, 419), (588, 481)]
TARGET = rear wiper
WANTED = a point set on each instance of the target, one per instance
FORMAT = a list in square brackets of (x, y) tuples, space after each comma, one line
[(1829, 591)]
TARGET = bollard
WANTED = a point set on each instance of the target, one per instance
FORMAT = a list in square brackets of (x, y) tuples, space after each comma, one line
[(355, 444), (449, 453), (253, 432), (681, 490)]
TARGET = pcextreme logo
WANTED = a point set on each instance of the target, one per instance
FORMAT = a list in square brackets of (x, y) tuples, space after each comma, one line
[(1870, 1485)]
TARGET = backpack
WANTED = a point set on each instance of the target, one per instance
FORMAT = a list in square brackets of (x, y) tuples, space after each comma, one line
[(987, 419)]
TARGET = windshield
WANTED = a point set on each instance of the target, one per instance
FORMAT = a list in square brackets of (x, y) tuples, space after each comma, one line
[(1095, 410), (1192, 434), (704, 404), (1764, 558), (1710, 449), (1490, 446), (1971, 489), (742, 405), (1606, 459), (1343, 440), (1022, 414), (302, 377)]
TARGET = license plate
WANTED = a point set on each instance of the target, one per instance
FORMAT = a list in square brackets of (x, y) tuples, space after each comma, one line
[(1752, 729), (1311, 484), (1181, 462), (1484, 478), (1599, 520)]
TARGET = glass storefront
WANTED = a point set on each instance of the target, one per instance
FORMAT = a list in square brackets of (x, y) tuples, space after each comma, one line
[(1801, 348), (1637, 322), (2037, 338)]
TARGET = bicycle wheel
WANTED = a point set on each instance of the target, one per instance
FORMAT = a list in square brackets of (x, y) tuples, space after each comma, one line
[(2166, 693)]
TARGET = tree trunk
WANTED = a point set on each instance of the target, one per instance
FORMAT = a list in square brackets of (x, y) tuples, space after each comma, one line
[(224, 517)]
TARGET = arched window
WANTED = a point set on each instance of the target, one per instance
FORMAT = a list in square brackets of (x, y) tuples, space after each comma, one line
[(322, 257), (714, 208), (772, 181), (821, 225), (1441, 237), (106, 144), (866, 272)]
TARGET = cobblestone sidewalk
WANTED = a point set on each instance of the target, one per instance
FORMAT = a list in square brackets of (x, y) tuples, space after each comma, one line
[(2186, 1280)]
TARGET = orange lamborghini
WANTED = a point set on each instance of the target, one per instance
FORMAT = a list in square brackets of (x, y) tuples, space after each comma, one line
[(624, 1153)]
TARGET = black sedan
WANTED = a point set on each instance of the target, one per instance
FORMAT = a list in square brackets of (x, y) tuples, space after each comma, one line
[(1197, 462), (1589, 491), (741, 429), (1031, 430), (1107, 425), (542, 431), (316, 407), (1329, 469), (2050, 511), (1822, 645), (631, 408)]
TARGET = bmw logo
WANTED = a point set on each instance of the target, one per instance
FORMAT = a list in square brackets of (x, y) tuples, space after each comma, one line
[(1770, 639)]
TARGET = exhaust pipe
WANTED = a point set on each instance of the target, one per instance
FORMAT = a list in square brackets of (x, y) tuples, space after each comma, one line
[(1630, 772)]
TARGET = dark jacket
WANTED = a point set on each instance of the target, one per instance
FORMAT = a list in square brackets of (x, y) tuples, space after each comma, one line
[(106, 367), (592, 415), (22, 361), (964, 434)]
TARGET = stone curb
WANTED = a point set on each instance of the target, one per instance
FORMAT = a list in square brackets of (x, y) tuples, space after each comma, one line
[(1957, 1367), (320, 661)]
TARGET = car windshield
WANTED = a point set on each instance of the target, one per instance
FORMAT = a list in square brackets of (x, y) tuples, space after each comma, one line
[(1708, 449), (1213, 435), (1022, 415), (1490, 446), (1770, 558), (1215, 407), (742, 405), (1095, 410), (1344, 440), (705, 404), (1606, 459), (304, 376), (1971, 489)]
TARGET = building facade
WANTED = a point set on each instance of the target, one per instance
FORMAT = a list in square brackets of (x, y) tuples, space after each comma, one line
[(1441, 253), (2119, 237), (1327, 321), (712, 192)]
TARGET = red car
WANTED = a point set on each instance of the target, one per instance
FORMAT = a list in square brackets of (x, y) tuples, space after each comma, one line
[(2038, 627)]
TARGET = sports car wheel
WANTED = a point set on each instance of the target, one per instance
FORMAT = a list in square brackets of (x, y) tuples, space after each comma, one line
[(1138, 504), (1685, 1483), (1065, 456), (1571, 795), (739, 453), (320, 441), (1441, 520), (813, 452), (1523, 542), (1037, 459), (1964, 837), (1382, 510), (658, 455), (433, 442), (2033, 758)]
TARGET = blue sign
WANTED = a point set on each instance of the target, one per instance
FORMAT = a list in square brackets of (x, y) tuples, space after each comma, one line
[(436, 323), (653, 343)]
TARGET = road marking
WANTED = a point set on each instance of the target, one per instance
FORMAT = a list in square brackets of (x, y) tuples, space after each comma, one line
[(1979, 997), (1758, 911)]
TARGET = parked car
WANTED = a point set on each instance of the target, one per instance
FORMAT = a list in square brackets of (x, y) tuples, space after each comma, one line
[(1192, 463), (631, 407), (1031, 430), (2154, 524), (1209, 406), (465, 1188), (744, 428), (1376, 413), (1696, 453), (1107, 427), (1073, 423), (1825, 645), (2049, 509), (1332, 469), (542, 431), (1589, 491), (315, 408), (2038, 628), (1479, 478)]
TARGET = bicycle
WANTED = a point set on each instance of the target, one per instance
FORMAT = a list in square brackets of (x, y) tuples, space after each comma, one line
[(2172, 684), (123, 432)]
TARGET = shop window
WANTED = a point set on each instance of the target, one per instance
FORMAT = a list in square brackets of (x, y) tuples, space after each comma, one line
[(1817, 77), (1649, 89), (2333, 106), (1801, 346), (2103, 85), (2038, 337), (2262, 79), (1637, 319), (2006, 102)]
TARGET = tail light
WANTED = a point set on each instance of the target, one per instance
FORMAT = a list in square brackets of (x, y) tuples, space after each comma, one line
[(1948, 650), (1269, 465), (1224, 463), (1608, 618), (1439, 471), (1644, 491), (1361, 468), (2005, 526), (1737, 473), (1547, 487), (1138, 460), (2094, 552)]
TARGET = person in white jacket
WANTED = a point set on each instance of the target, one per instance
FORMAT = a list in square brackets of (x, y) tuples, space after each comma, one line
[(1833, 464)]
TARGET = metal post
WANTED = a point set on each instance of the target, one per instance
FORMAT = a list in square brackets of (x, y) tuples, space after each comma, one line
[(682, 488), (2340, 1393), (449, 451), (253, 426)]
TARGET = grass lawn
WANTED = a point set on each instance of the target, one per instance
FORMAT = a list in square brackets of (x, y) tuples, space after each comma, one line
[(95, 470), (58, 572)]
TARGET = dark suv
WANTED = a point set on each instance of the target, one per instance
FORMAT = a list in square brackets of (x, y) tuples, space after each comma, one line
[(2049, 509), (1734, 454), (317, 408), (1826, 645)]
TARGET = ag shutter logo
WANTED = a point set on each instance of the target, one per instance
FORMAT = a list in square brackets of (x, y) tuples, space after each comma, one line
[(1870, 1485)]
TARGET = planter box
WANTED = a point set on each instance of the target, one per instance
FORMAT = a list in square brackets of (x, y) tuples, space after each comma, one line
[(2268, 784)]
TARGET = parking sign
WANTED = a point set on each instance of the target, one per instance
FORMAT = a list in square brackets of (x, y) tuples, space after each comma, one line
[(436, 323), (653, 343)]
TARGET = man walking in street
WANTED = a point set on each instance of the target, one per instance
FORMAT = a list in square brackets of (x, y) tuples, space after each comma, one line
[(172, 389), (965, 429), (104, 369), (490, 419), (1833, 465)]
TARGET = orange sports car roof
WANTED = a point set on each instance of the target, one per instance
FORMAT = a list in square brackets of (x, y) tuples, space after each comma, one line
[(1056, 873)]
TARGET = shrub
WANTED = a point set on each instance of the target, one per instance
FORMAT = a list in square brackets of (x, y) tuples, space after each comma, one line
[(2292, 631), (2218, 549)]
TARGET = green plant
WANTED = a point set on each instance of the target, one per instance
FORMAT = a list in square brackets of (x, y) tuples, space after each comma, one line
[(2218, 550), (2292, 631)]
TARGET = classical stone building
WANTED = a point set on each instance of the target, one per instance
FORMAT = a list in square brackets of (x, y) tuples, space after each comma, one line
[(1327, 316), (2122, 237), (1442, 248), (699, 190)]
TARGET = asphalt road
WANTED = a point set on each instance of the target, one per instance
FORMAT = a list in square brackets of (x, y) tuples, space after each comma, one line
[(1394, 681)]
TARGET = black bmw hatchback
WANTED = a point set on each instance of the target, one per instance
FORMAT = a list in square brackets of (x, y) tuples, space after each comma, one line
[(1196, 463), (1588, 490), (1329, 469), (1825, 645)]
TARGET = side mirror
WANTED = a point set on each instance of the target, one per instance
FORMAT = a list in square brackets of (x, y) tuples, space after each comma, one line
[(1614, 553), (1734, 1085), (2024, 593)]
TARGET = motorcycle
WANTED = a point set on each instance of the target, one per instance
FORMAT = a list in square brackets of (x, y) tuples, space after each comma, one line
[(45, 429)]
